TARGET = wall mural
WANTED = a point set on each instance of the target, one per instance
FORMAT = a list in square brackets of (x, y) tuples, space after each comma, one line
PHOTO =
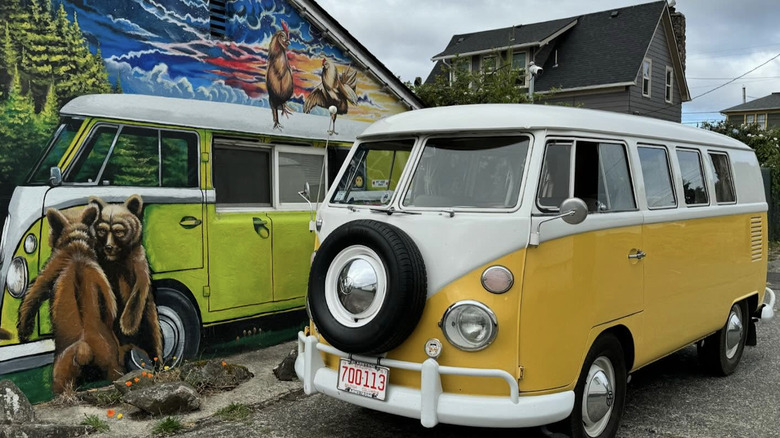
[(271, 57)]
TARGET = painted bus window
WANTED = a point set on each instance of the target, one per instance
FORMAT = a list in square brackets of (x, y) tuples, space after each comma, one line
[(179, 152), (296, 169), (659, 190), (134, 159), (242, 175), (59, 144), (90, 161), (692, 177), (724, 183)]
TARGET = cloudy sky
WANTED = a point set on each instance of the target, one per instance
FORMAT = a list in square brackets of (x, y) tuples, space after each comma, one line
[(725, 38)]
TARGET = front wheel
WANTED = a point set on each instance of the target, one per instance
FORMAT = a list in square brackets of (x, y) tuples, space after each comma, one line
[(721, 351), (180, 326), (601, 391)]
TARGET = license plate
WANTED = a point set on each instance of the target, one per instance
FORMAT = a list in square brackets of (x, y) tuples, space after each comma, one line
[(363, 379)]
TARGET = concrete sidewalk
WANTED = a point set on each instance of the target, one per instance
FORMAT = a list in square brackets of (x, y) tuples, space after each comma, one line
[(259, 391)]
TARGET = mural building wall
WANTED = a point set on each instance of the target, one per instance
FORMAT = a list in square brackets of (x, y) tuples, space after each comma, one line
[(94, 259)]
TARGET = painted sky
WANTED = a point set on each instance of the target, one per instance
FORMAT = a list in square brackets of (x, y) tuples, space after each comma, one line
[(164, 48)]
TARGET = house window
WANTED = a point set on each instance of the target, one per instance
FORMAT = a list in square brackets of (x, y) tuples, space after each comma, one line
[(459, 65), (761, 120), (519, 63), (489, 63), (750, 119), (668, 95), (647, 76)]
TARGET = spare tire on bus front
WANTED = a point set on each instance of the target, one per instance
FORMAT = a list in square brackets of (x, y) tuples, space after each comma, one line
[(367, 287)]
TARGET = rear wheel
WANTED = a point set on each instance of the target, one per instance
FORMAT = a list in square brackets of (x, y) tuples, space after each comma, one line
[(601, 391), (180, 326), (722, 351)]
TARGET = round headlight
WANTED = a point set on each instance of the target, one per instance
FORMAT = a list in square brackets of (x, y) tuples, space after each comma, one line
[(497, 279), (17, 277), (469, 325), (30, 243)]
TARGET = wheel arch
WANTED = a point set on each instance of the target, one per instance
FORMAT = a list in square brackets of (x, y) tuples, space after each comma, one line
[(179, 287), (626, 339)]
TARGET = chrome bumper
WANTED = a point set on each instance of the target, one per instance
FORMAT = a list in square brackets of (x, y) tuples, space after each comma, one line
[(429, 403)]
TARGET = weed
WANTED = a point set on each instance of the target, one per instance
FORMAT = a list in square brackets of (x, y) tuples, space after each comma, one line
[(167, 426), (233, 412), (96, 423)]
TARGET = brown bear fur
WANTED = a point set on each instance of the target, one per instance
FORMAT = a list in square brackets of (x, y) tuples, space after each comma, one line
[(121, 255), (83, 307), (5, 334)]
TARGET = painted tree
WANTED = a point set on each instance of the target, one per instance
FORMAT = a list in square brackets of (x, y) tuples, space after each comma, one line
[(20, 139)]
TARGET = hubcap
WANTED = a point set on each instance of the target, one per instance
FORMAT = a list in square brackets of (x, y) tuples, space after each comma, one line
[(598, 396), (355, 286), (734, 328), (174, 336)]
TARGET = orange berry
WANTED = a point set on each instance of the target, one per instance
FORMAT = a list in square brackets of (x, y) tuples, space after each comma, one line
[(224, 364), (143, 373), (110, 413), (155, 358), (137, 380), (129, 383)]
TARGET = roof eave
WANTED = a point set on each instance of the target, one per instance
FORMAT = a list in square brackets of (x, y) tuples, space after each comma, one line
[(671, 42), (486, 51), (312, 12), (589, 87)]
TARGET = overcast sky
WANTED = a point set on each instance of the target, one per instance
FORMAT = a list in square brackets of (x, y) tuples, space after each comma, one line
[(725, 38)]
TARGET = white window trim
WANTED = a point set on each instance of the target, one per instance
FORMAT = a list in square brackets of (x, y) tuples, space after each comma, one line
[(669, 84), (295, 206), (649, 78), (525, 67)]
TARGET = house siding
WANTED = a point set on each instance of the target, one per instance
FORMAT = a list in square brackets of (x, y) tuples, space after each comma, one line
[(656, 105), (616, 101)]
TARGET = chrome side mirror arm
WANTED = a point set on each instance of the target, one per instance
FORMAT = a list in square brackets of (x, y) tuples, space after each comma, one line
[(573, 211)]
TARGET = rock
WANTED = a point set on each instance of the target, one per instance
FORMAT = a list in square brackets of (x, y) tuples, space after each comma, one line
[(143, 381), (44, 431), (14, 406), (165, 398), (214, 374), (285, 371)]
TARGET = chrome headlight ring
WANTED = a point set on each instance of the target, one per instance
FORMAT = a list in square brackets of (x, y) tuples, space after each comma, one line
[(16, 279), (469, 325)]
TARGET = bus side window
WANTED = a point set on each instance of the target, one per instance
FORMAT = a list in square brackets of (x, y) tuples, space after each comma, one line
[(724, 181), (692, 177), (602, 178), (659, 190), (556, 174)]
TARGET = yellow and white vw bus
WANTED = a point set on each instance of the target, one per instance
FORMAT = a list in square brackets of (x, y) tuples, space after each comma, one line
[(510, 265)]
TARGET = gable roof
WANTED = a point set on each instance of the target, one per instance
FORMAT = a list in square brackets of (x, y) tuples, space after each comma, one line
[(317, 16), (594, 50), (771, 102)]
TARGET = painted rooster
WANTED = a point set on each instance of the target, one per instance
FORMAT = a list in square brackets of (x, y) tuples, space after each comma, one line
[(278, 76), (335, 90)]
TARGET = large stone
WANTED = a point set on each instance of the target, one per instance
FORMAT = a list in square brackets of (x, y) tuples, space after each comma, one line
[(165, 398), (44, 431), (214, 374), (285, 371), (138, 379), (14, 406)]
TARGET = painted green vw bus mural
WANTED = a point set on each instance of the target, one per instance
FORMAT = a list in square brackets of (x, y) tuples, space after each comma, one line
[(184, 214)]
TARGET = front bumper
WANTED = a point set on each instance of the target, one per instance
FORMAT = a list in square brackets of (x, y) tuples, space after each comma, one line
[(429, 403)]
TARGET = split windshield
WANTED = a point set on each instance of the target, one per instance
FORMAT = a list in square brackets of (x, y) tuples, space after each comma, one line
[(58, 144), (457, 172)]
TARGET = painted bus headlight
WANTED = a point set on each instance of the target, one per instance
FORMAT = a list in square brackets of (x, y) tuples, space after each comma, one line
[(16, 281), (30, 243), (469, 325)]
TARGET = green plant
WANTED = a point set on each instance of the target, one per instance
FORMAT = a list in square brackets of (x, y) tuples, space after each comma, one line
[(96, 423), (167, 426), (233, 412)]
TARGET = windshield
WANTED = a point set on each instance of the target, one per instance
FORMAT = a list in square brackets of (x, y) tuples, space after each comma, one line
[(58, 144), (472, 172), (373, 173)]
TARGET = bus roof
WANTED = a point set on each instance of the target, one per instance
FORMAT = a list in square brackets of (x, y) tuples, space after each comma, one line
[(514, 117), (210, 115)]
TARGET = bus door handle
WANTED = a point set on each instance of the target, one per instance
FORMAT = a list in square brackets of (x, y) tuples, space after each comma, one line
[(260, 227), (639, 255), (189, 222)]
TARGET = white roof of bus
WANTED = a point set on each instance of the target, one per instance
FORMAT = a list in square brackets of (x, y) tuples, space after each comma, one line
[(516, 117), (210, 115)]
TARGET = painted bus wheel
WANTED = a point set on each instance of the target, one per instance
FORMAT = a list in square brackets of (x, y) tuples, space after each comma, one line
[(180, 326), (367, 287), (601, 390), (722, 351)]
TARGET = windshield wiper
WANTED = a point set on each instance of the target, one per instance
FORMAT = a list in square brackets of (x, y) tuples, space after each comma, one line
[(390, 210)]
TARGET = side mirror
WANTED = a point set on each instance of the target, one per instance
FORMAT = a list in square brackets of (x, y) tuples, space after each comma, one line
[(306, 195), (55, 176), (572, 211)]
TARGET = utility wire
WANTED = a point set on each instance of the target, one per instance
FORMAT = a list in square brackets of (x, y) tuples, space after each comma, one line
[(738, 77)]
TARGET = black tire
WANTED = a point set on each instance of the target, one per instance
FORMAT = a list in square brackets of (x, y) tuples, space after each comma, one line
[(721, 352), (180, 326), (601, 418), (367, 323)]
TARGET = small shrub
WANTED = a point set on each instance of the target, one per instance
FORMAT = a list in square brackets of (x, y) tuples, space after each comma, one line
[(96, 423), (167, 426), (233, 412)]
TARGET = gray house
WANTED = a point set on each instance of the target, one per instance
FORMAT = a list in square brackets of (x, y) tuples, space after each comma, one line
[(629, 60)]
